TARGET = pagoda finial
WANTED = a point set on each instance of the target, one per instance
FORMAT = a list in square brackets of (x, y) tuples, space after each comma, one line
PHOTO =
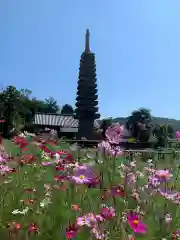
[(87, 46)]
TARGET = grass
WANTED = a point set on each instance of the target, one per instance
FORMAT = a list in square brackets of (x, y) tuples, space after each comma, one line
[(34, 205)]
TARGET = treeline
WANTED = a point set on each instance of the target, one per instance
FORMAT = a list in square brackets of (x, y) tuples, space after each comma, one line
[(142, 128), (17, 108)]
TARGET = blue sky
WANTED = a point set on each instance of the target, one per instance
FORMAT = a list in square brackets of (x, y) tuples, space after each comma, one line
[(137, 46)]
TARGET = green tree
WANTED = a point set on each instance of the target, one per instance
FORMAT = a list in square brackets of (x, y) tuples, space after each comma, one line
[(171, 131), (163, 132), (51, 105), (10, 100), (18, 107), (67, 109), (139, 124)]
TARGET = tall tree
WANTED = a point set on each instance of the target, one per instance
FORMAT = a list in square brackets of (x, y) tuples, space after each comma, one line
[(139, 123), (10, 100), (163, 133), (67, 109), (171, 131), (51, 104), (18, 108)]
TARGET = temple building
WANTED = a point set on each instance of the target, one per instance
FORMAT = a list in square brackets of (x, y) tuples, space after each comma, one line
[(66, 125)]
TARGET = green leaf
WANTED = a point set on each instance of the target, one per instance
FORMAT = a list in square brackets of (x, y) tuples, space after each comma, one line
[(29, 138), (121, 160)]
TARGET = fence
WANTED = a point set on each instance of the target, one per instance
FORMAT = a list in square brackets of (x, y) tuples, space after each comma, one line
[(140, 148), (151, 153)]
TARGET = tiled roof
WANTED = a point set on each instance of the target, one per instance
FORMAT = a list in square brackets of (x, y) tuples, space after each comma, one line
[(65, 121)]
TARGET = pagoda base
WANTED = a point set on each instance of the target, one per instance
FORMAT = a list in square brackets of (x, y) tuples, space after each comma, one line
[(86, 130)]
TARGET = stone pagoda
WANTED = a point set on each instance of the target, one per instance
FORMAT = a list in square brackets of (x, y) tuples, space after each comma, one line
[(87, 98)]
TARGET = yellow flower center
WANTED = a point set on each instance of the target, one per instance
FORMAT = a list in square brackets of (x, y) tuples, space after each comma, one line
[(81, 176), (136, 222)]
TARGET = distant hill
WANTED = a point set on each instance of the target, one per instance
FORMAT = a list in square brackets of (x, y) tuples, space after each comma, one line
[(156, 120)]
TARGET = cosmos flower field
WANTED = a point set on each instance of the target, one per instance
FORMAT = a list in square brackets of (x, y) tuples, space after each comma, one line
[(50, 190)]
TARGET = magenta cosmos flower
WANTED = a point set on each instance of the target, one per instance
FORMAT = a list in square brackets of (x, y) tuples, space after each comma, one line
[(136, 225), (107, 212), (83, 175), (71, 231), (118, 191), (178, 135), (114, 133)]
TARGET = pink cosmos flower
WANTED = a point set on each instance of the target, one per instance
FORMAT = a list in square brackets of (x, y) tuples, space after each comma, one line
[(153, 181), (136, 225), (5, 169), (105, 147), (88, 220), (49, 163), (163, 174), (92, 221), (84, 175), (97, 233), (114, 133), (100, 218), (3, 160), (170, 194), (115, 151), (131, 178)]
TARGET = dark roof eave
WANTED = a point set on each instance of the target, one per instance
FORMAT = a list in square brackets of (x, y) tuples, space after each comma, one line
[(56, 114)]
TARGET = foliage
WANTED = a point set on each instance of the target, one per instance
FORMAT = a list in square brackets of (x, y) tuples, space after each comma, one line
[(155, 120), (67, 109), (139, 124), (46, 194), (51, 105), (143, 127), (18, 107), (163, 133)]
